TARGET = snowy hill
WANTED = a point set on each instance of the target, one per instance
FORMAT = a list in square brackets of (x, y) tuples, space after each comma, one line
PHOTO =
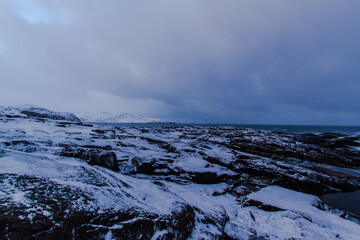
[(119, 118), (33, 111)]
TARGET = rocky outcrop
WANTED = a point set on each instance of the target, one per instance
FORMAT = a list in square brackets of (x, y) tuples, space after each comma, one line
[(93, 156)]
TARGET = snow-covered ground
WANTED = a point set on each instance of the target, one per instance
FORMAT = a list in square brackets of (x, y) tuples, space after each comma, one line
[(105, 117), (169, 182)]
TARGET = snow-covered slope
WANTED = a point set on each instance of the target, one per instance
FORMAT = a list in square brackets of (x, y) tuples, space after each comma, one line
[(36, 112), (106, 117), (60, 179)]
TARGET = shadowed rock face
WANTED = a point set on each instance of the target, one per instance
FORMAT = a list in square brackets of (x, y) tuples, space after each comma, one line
[(64, 180), (99, 156)]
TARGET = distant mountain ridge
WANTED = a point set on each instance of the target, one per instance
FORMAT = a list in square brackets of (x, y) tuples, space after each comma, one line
[(107, 117)]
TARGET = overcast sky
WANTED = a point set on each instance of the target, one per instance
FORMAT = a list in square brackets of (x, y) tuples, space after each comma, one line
[(213, 61)]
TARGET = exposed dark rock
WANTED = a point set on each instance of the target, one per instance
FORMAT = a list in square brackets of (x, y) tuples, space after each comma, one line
[(107, 147), (183, 221), (21, 145), (104, 134), (152, 167), (262, 206), (168, 147), (108, 160), (154, 141), (204, 177), (95, 156), (50, 115)]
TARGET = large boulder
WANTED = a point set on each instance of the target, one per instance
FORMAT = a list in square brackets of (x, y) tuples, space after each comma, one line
[(93, 156)]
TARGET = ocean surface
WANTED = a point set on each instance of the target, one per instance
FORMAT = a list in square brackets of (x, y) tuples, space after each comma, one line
[(279, 128), (349, 202)]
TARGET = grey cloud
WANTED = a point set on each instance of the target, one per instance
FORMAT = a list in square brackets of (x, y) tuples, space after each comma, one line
[(207, 61)]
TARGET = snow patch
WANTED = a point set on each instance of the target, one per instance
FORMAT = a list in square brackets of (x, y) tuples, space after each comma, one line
[(105, 117)]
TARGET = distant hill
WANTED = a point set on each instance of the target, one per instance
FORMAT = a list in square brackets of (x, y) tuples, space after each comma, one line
[(36, 112), (117, 118)]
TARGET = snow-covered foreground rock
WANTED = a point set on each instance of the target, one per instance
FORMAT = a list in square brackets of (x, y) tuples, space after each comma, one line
[(61, 179), (105, 117)]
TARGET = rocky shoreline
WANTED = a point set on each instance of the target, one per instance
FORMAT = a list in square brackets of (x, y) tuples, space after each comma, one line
[(61, 179)]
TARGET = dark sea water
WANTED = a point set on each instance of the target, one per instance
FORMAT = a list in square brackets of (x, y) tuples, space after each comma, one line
[(349, 202), (280, 128)]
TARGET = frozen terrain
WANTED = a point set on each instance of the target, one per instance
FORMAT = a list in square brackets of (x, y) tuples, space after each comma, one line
[(105, 117), (62, 179)]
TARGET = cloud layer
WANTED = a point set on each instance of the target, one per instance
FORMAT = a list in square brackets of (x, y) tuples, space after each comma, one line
[(227, 61)]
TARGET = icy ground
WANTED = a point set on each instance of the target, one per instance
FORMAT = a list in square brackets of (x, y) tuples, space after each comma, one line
[(61, 179)]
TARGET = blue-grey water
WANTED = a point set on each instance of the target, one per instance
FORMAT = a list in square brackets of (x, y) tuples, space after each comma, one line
[(349, 202), (280, 128)]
